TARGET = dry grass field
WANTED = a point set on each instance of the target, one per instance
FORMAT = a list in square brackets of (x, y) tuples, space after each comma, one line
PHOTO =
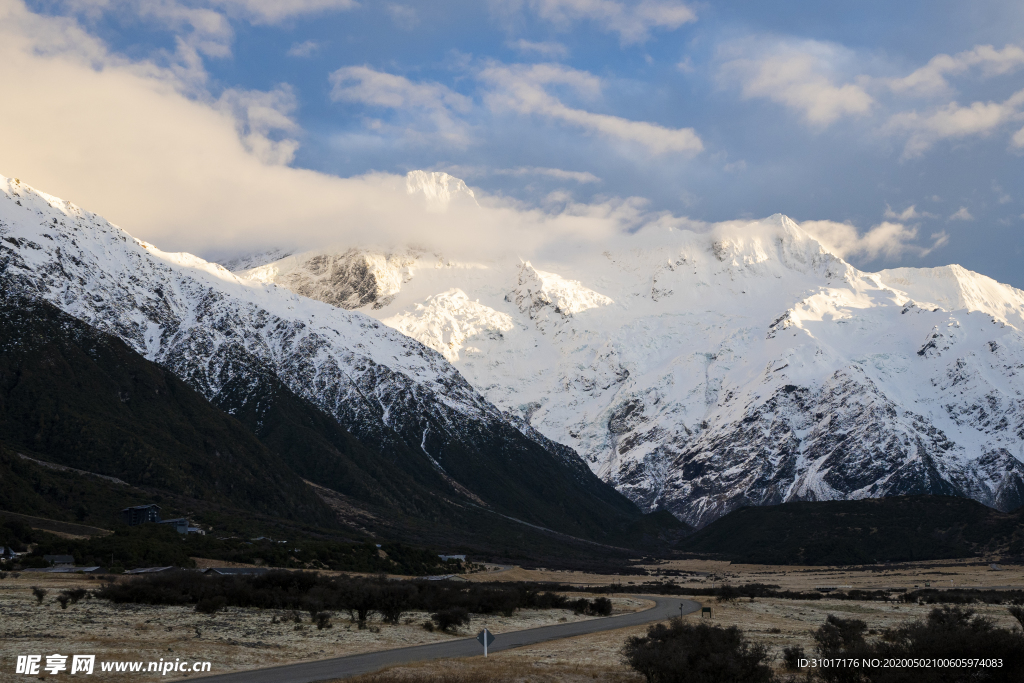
[(971, 573), (238, 639), (596, 657), (234, 639), (776, 623)]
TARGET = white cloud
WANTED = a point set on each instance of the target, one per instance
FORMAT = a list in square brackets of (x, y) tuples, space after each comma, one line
[(547, 50), (404, 16), (522, 89), (939, 239), (961, 214), (304, 49), (173, 169), (633, 21), (887, 239), (274, 11), (560, 174), (1004, 197), (796, 75), (440, 104), (954, 121), (1018, 139), (907, 214), (259, 115), (931, 78)]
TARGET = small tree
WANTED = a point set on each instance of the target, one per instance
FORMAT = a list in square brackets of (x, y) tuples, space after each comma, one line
[(40, 593), (394, 601), (323, 620)]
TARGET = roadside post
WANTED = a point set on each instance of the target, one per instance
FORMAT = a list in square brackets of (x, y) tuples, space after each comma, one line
[(486, 638)]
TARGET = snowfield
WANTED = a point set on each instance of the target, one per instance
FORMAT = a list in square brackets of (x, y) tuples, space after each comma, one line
[(704, 371)]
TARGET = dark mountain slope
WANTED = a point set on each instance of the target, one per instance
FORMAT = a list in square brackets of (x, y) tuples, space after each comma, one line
[(896, 529), (464, 496), (84, 399), (75, 396), (382, 418)]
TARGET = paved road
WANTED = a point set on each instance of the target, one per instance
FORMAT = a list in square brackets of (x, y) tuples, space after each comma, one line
[(343, 667)]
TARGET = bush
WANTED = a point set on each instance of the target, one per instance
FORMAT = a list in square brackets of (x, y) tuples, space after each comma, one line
[(839, 638), (1017, 612), (393, 601), (450, 619), (602, 607), (310, 592), (71, 595), (791, 657), (323, 620), (39, 593), (688, 653), (599, 607), (211, 605), (946, 633)]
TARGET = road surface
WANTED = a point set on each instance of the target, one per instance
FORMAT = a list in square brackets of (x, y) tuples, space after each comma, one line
[(343, 667)]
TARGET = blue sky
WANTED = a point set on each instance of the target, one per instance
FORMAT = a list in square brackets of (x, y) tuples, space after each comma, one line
[(902, 120)]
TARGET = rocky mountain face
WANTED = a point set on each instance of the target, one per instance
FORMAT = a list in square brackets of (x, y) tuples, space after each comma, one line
[(233, 340), (702, 372)]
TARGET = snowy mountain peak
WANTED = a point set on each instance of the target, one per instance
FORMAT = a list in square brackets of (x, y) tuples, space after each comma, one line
[(439, 189), (450, 322), (347, 278), (250, 261), (538, 291), (953, 288), (746, 364), (695, 371), (760, 247)]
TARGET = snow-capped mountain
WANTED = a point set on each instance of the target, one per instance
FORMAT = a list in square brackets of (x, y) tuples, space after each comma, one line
[(224, 335), (703, 371)]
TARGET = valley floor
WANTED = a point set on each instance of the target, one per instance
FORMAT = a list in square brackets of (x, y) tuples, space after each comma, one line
[(232, 640), (240, 639), (596, 657)]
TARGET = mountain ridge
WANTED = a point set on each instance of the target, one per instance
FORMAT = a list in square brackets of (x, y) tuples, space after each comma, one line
[(231, 339), (700, 372)]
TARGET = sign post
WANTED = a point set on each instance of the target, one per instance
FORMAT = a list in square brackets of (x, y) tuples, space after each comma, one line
[(486, 638)]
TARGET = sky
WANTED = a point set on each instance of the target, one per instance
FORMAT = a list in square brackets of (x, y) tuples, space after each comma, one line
[(892, 131)]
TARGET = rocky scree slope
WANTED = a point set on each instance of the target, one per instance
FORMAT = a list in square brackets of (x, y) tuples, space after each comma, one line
[(230, 339), (700, 372)]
